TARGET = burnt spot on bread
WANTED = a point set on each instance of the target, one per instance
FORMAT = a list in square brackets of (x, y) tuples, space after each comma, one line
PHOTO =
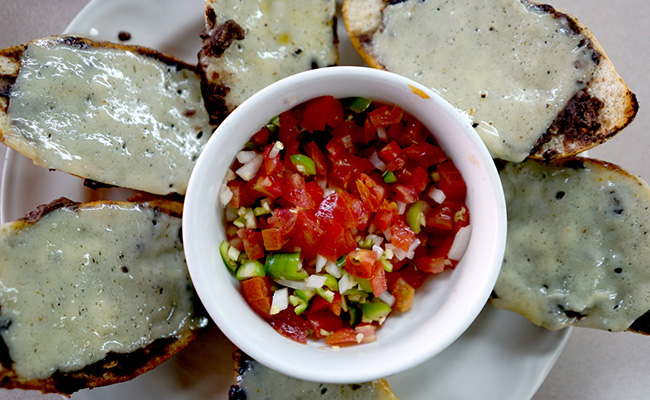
[(642, 324), (43, 209), (124, 36), (216, 41)]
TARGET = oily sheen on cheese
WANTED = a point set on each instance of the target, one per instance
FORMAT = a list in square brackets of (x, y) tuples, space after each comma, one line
[(84, 281), (507, 64), (578, 245), (280, 38), (104, 113)]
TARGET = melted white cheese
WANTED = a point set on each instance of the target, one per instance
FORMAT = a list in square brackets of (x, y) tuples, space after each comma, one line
[(261, 383), (578, 243), (282, 38), (79, 284), (103, 114), (508, 66)]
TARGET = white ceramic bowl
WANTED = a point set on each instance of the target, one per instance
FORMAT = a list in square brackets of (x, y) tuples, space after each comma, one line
[(444, 307)]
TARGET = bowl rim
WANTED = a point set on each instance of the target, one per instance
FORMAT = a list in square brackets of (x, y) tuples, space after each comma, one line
[(196, 258)]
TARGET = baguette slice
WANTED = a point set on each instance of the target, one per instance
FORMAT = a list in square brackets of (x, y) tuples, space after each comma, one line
[(578, 245), (534, 82), (248, 45), (103, 111), (253, 381), (93, 294)]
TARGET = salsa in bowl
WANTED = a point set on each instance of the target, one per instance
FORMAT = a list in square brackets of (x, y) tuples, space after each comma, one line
[(291, 200)]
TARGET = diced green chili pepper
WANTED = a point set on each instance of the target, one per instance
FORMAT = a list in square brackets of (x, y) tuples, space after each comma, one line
[(299, 304), (240, 222), (366, 243), (326, 294), (356, 295), (375, 310), (331, 282), (341, 262), (364, 284), (250, 269), (257, 211), (388, 266), (357, 104), (389, 177), (285, 266), (305, 294), (415, 216), (304, 164), (230, 263)]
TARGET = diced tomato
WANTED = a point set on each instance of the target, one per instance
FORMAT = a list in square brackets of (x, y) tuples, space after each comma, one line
[(432, 265), (412, 276), (342, 337), (257, 293), (322, 111), (405, 193), (401, 235), (394, 132), (307, 234), (324, 322), (391, 154), (385, 216), (315, 192), (413, 133), (296, 192), (425, 154), (415, 176), (284, 219), (337, 304), (261, 137), (340, 145), (291, 326), (385, 116), (372, 194), (378, 282), (313, 152), (269, 185), (451, 181), (366, 135), (404, 295), (253, 243), (288, 128), (367, 331), (273, 239), (241, 196), (441, 216), (363, 264), (336, 242), (347, 169)]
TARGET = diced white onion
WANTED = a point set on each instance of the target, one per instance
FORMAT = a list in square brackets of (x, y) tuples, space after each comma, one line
[(280, 300), (346, 283), (230, 175), (399, 253), (376, 239), (250, 168), (401, 207), (348, 143), (225, 195), (320, 263), (233, 253), (460, 243), (333, 269), (300, 285), (436, 194), (387, 234), (414, 245), (387, 298), (378, 250), (376, 162), (381, 134), (245, 156), (315, 281), (275, 150)]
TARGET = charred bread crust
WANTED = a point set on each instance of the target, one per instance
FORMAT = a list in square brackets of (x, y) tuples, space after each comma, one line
[(114, 367), (594, 114)]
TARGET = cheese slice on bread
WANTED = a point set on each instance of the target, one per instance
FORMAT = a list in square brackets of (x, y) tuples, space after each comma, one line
[(93, 294), (248, 45), (121, 115), (253, 381), (533, 81), (578, 245)]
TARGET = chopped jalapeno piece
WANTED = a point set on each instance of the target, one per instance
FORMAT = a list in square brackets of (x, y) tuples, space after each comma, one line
[(304, 164), (357, 104), (250, 269), (415, 216), (375, 310), (285, 266), (389, 177), (227, 259)]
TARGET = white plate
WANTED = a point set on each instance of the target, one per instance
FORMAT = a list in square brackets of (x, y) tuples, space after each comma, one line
[(502, 356)]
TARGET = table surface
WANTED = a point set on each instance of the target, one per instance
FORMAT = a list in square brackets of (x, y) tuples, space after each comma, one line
[(595, 365)]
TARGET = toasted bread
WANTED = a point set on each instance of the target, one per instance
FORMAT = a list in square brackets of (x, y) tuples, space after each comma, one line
[(93, 294), (249, 45), (534, 82), (101, 111), (254, 381), (577, 247)]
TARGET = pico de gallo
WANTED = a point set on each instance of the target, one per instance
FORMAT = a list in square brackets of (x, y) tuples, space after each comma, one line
[(337, 211)]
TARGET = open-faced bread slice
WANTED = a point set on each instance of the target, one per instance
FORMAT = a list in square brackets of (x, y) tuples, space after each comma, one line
[(253, 381), (122, 115), (248, 45), (533, 81), (578, 245), (93, 294)]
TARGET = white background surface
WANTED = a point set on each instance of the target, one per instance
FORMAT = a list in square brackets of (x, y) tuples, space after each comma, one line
[(595, 365)]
